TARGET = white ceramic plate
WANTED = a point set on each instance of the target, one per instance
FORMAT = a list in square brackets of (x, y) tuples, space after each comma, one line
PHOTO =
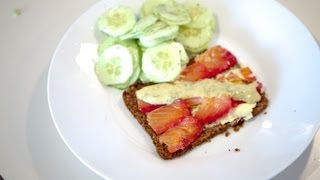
[(99, 130)]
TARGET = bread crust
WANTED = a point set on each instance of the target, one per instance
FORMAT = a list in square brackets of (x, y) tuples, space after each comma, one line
[(130, 100)]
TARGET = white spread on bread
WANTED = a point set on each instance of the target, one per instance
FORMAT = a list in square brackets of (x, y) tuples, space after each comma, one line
[(242, 111)]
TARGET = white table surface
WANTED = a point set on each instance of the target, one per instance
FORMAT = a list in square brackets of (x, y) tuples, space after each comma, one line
[(30, 147)]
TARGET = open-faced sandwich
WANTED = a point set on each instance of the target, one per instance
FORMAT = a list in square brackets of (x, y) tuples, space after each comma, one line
[(212, 94), (181, 91)]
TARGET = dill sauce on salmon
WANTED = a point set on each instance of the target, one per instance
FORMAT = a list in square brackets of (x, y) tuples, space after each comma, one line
[(166, 93)]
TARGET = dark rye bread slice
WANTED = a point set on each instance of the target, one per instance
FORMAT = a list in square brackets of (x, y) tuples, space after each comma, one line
[(130, 99)]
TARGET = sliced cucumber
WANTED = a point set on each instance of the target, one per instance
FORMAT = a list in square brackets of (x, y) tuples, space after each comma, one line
[(212, 23), (134, 50), (115, 65), (182, 52), (155, 27), (172, 14), (142, 48), (194, 51), (141, 26), (129, 35), (195, 39), (200, 16), (130, 44), (133, 78), (145, 22), (153, 38), (161, 63), (117, 21), (143, 78), (149, 5), (107, 42)]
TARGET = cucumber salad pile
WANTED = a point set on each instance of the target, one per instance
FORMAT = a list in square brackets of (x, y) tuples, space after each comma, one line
[(155, 46)]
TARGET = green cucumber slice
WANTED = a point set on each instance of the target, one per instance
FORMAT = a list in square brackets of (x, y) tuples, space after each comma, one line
[(133, 78), (172, 14), (155, 27), (145, 22), (143, 78), (117, 21), (200, 16), (197, 50), (134, 50), (183, 54), (130, 44), (140, 27), (115, 65), (153, 38), (195, 39), (107, 42), (161, 63), (149, 5)]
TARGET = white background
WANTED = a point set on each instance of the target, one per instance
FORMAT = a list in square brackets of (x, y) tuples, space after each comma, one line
[(30, 147)]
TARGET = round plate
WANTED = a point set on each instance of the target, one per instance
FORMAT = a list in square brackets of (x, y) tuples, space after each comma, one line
[(97, 127)]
